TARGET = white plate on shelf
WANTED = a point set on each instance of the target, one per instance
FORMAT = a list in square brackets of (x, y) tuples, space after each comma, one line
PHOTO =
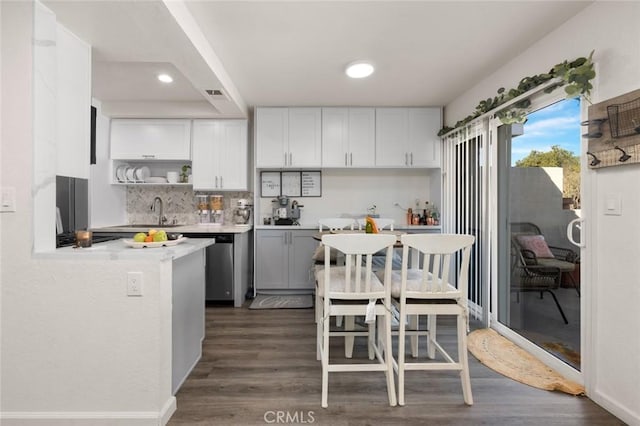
[(142, 173), (120, 173), (131, 174), (134, 244), (156, 179)]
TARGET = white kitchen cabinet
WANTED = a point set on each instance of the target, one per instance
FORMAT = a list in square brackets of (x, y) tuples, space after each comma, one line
[(73, 101), (348, 137), (220, 155), (288, 137), (150, 139), (283, 259), (408, 137), (424, 142)]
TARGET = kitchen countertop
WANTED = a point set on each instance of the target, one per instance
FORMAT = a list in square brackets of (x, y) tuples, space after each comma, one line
[(181, 229), (315, 226), (117, 250)]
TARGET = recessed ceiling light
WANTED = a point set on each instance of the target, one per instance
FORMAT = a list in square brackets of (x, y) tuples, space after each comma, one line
[(359, 69), (165, 78)]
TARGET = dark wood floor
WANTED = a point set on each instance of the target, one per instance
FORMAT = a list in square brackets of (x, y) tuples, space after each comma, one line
[(261, 364)]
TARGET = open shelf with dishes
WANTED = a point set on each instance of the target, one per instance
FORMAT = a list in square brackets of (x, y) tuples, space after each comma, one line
[(149, 172)]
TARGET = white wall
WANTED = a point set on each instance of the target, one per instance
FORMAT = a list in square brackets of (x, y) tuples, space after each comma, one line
[(610, 360), (107, 202), (49, 306), (348, 193)]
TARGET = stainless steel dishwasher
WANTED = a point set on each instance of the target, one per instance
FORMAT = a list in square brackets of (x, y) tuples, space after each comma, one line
[(219, 267), (219, 270)]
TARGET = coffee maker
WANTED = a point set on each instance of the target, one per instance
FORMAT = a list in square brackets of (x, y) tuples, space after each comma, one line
[(284, 212)]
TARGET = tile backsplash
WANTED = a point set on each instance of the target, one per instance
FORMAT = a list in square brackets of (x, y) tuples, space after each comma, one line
[(179, 203)]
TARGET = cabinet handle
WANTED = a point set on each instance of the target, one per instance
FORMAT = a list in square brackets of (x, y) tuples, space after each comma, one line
[(290, 159), (216, 184), (221, 184), (351, 158), (148, 156), (345, 159), (406, 159), (285, 158), (411, 158)]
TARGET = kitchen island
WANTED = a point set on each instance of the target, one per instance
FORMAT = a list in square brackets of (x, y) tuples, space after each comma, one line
[(133, 322), (229, 268)]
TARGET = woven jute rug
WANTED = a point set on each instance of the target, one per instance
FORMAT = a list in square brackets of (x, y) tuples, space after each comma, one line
[(508, 359)]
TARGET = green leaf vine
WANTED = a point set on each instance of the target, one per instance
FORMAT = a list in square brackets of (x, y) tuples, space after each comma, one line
[(574, 76)]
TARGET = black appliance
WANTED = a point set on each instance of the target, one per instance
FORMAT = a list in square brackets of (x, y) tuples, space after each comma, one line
[(72, 200), (219, 266)]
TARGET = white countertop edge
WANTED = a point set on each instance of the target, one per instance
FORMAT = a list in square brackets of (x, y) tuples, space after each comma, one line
[(117, 250), (208, 229), (395, 227)]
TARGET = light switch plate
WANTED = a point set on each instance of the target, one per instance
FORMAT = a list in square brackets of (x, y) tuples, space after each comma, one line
[(613, 205), (8, 199)]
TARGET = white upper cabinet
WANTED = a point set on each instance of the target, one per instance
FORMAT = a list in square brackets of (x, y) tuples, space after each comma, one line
[(272, 136), (73, 136), (348, 137), (305, 137), (288, 137), (151, 139), (424, 142), (408, 137), (220, 155)]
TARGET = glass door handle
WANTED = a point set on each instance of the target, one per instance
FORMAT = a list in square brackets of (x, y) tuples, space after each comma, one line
[(578, 224)]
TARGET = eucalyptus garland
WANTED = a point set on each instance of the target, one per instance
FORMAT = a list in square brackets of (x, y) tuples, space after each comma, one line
[(574, 76)]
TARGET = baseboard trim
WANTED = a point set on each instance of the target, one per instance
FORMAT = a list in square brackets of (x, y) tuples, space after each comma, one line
[(95, 418), (623, 413)]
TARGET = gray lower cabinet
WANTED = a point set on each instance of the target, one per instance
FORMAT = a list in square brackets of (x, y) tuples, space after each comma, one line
[(187, 316), (283, 259)]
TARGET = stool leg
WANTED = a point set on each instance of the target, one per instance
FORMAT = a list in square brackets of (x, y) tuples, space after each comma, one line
[(349, 321), (464, 359)]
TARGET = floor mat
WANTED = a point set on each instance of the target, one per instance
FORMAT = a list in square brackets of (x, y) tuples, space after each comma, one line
[(508, 359), (268, 301)]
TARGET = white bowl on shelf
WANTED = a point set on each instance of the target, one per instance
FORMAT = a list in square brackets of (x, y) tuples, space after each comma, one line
[(156, 179)]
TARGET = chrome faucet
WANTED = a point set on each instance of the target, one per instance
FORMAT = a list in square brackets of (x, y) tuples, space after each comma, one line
[(161, 218)]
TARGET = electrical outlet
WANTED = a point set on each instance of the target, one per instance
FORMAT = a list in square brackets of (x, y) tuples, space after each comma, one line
[(134, 284)]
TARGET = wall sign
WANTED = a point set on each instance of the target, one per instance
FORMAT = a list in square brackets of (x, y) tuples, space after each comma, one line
[(292, 184), (270, 184)]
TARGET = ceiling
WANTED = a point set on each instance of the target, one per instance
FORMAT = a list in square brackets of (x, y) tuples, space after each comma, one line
[(293, 53)]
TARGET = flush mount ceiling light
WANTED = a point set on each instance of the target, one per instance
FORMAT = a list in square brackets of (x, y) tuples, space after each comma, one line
[(165, 78), (359, 69)]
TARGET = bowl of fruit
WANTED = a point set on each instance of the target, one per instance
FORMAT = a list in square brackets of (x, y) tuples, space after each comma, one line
[(154, 238)]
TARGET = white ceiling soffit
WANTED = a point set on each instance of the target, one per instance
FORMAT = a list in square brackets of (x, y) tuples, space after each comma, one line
[(425, 52), (294, 52), (132, 41)]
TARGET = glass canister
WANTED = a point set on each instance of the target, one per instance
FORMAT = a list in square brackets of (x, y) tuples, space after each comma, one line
[(202, 204), (216, 202)]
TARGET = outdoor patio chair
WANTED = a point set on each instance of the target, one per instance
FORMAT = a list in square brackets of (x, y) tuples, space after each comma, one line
[(543, 258)]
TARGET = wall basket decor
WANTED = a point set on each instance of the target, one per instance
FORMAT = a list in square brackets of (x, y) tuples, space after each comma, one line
[(614, 131), (624, 118)]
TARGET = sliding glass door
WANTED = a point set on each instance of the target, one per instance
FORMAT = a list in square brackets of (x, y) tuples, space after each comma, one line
[(538, 195)]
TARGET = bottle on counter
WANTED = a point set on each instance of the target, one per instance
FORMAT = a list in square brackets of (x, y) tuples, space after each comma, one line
[(368, 228), (436, 216), (409, 216)]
